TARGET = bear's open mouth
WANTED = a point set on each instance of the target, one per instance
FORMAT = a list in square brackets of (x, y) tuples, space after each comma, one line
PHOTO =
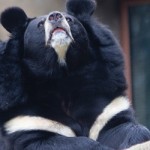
[(59, 30)]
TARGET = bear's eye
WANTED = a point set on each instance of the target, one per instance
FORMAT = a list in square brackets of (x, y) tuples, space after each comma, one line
[(68, 19), (41, 23)]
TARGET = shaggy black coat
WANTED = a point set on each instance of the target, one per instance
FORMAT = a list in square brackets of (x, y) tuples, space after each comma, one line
[(33, 83)]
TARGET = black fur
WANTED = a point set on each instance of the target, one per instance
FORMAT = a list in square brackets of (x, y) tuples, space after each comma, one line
[(87, 9), (13, 19), (2, 47), (33, 83)]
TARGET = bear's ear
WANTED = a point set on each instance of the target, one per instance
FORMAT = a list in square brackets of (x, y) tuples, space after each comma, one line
[(13, 18), (81, 7)]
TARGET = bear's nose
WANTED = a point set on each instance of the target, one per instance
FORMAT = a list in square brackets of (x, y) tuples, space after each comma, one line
[(56, 16)]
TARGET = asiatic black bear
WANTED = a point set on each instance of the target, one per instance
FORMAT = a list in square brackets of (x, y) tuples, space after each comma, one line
[(62, 81)]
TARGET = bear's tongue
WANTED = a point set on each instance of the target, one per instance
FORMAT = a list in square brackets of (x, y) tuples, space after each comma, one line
[(59, 30)]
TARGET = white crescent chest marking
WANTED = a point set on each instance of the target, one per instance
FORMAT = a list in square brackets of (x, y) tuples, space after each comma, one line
[(116, 106), (28, 123)]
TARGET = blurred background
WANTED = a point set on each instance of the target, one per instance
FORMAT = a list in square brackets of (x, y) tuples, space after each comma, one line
[(130, 22)]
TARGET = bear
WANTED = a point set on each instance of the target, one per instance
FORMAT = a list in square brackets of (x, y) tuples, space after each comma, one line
[(2, 47), (62, 83)]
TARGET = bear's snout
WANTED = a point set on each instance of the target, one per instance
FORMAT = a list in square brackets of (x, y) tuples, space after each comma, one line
[(56, 19), (58, 34)]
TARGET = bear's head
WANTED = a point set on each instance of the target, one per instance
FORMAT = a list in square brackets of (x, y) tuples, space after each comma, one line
[(53, 42), (67, 45)]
